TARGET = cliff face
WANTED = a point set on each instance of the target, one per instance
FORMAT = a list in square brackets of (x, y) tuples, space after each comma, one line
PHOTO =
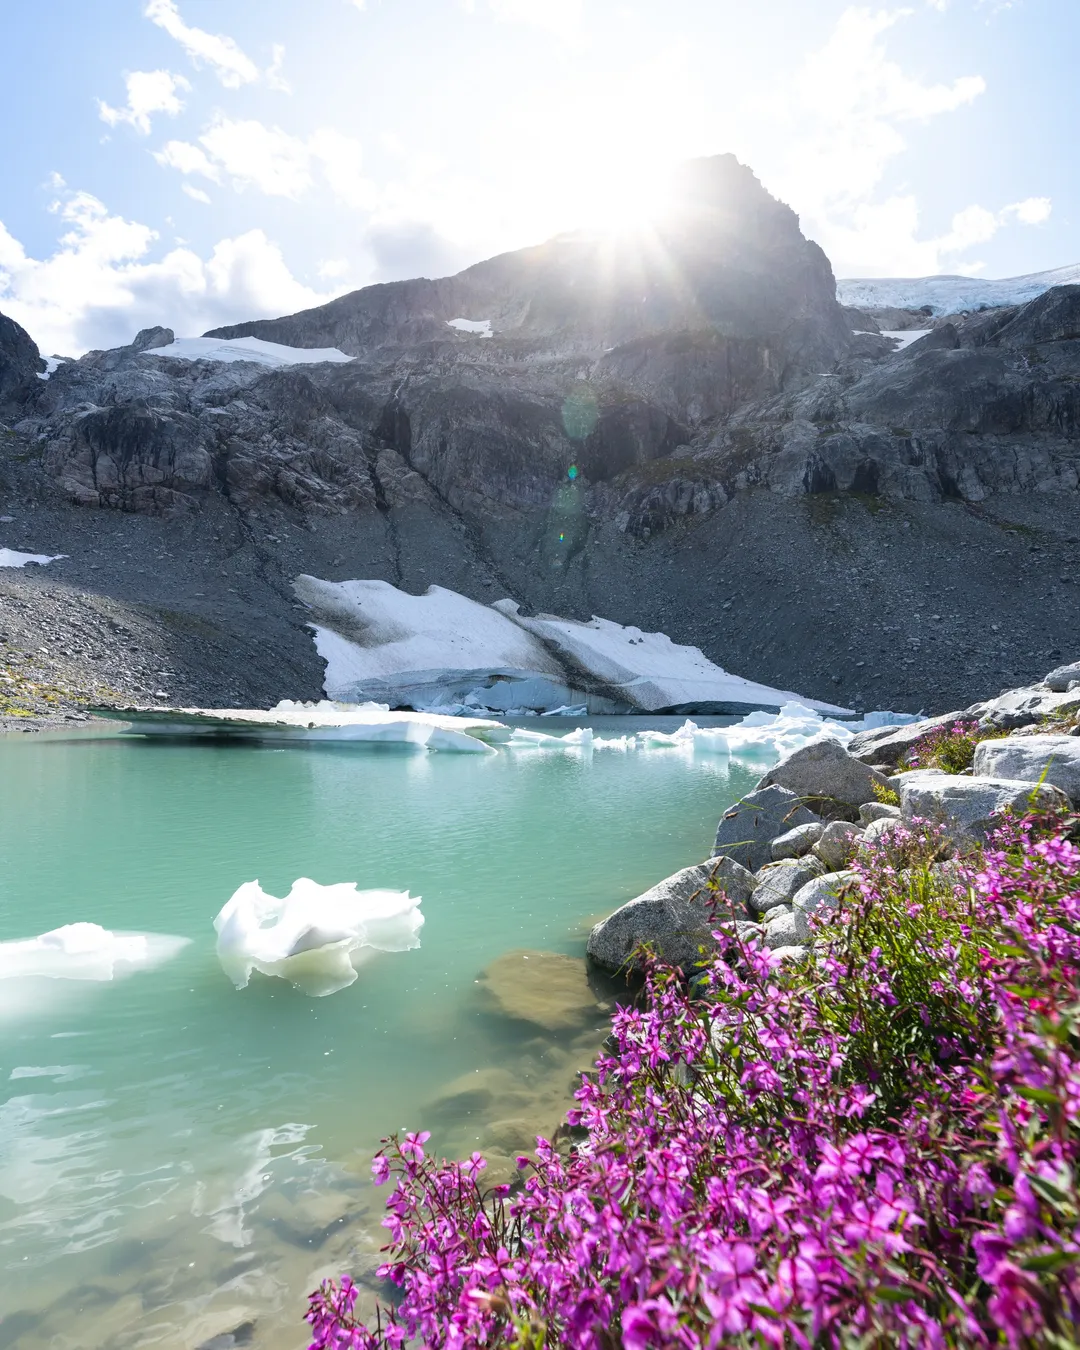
[(677, 430)]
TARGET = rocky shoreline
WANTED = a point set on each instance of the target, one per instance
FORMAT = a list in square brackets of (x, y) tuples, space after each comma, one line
[(782, 852)]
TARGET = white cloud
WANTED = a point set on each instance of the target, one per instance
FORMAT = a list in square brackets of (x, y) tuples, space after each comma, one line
[(1031, 211), (274, 77), (186, 159), (255, 155), (230, 64), (251, 154), (196, 194), (847, 116), (332, 268), (561, 17), (148, 92), (100, 285)]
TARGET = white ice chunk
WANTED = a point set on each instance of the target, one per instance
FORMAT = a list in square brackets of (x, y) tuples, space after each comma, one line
[(10, 558), (951, 294), (316, 936), (246, 349), (86, 951), (648, 670), (482, 327)]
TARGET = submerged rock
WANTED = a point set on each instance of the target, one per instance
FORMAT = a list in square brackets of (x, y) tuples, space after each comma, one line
[(676, 917), (747, 829), (549, 989)]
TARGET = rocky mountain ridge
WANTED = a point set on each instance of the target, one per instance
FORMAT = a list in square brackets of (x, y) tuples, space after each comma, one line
[(680, 431)]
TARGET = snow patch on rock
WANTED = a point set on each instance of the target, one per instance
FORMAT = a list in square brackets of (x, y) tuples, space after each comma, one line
[(481, 327), (9, 557), (246, 349)]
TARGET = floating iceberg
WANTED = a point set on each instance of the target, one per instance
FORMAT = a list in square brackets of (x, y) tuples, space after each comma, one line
[(86, 951), (246, 349), (759, 735), (288, 722), (10, 558), (316, 936), (442, 651)]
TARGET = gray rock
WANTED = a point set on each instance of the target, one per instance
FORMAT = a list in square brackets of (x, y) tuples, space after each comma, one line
[(786, 930), (774, 913), (969, 809), (888, 745), (746, 831), (838, 842), (871, 811), (1029, 757), (147, 339), (881, 828), (778, 882), (821, 893), (796, 842), (792, 953), (20, 361), (826, 778), (1060, 680), (676, 917), (1024, 707)]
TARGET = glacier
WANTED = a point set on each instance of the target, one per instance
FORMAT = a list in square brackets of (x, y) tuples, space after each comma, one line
[(442, 652), (950, 294), (316, 936)]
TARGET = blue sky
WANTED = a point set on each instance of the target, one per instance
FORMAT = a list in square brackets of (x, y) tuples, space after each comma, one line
[(196, 162)]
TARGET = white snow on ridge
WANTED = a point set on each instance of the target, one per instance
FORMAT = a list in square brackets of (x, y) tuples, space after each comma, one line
[(51, 362), (443, 652), (10, 558), (905, 336), (246, 349), (949, 294), (482, 327)]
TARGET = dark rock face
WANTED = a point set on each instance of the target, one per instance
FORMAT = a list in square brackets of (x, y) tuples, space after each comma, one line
[(20, 361), (682, 433)]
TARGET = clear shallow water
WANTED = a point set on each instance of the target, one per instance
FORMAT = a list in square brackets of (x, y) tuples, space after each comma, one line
[(180, 1161)]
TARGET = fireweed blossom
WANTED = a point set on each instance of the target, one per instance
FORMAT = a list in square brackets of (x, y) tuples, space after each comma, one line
[(876, 1148)]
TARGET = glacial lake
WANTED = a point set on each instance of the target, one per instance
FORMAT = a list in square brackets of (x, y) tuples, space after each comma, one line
[(180, 1161)]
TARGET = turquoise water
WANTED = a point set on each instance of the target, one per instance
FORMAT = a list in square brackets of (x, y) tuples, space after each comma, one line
[(181, 1161)]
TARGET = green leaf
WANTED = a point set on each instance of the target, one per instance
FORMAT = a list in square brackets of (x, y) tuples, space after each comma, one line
[(1050, 1261), (888, 1293), (1041, 1095), (1049, 1191)]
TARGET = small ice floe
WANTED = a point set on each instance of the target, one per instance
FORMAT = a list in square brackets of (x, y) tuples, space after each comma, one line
[(86, 951), (246, 349), (316, 936), (482, 327), (10, 558)]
